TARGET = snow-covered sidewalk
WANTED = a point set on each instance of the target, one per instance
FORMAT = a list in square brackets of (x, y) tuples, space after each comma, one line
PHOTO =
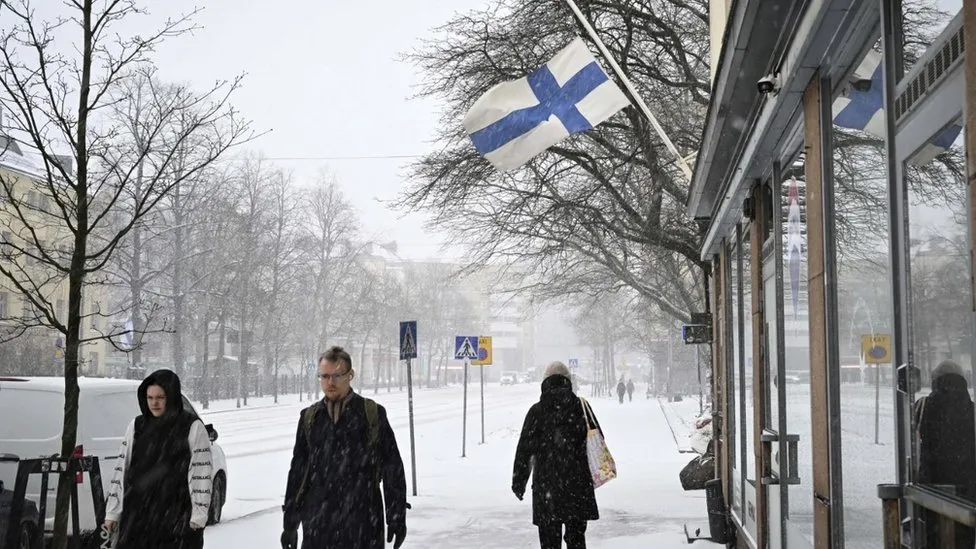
[(467, 502)]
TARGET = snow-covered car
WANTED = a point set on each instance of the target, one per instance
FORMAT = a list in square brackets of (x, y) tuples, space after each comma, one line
[(105, 408), (508, 378)]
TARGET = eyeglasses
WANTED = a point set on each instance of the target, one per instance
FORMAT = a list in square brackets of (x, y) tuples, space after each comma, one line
[(333, 377)]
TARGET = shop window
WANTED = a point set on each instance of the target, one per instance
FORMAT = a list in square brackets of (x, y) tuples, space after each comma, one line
[(735, 401), (941, 326)]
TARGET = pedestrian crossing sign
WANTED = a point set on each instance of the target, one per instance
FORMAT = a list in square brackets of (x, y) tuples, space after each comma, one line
[(408, 340), (465, 347)]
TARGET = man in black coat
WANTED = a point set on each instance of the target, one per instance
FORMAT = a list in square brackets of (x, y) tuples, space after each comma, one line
[(552, 447), (344, 449)]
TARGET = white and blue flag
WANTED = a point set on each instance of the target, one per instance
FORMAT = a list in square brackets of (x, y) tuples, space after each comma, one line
[(515, 121), (864, 110)]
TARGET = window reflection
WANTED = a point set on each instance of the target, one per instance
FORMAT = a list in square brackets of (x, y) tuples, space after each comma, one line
[(941, 332)]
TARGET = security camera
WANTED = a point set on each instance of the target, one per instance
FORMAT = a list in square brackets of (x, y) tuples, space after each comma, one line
[(768, 84), (861, 84)]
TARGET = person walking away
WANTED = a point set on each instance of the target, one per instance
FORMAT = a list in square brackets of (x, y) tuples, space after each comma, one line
[(947, 446), (552, 448), (159, 497), (621, 390), (344, 451), (630, 390)]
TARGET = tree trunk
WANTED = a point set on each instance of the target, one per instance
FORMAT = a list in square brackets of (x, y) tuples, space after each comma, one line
[(179, 355), (204, 370), (221, 342)]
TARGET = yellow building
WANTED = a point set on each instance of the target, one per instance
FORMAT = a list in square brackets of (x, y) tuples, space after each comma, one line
[(31, 240)]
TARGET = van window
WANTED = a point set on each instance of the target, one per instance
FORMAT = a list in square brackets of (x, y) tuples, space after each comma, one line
[(108, 415), (37, 415)]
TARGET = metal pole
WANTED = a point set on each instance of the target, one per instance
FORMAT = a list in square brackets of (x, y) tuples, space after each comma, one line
[(630, 87), (877, 401), (413, 450), (701, 396), (464, 413), (482, 403)]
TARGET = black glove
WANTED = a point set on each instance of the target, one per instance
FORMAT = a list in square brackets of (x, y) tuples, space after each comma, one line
[(396, 530), (518, 491), (289, 539)]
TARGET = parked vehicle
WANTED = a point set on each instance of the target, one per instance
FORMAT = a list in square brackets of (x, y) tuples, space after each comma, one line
[(28, 520), (105, 408), (508, 378)]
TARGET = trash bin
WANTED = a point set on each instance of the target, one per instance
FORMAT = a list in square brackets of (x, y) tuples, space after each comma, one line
[(718, 524)]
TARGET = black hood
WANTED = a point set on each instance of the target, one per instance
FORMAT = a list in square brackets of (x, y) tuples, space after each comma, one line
[(170, 382), (950, 383), (556, 382)]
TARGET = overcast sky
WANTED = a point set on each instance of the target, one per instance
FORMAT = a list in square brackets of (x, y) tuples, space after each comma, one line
[(324, 78)]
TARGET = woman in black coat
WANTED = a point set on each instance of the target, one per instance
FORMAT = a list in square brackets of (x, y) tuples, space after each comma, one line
[(552, 448), (160, 492), (947, 450)]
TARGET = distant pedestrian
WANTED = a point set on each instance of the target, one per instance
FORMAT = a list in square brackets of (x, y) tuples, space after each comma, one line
[(344, 449), (630, 390), (621, 390), (552, 447), (160, 493)]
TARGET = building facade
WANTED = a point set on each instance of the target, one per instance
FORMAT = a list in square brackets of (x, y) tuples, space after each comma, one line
[(833, 181), (24, 239)]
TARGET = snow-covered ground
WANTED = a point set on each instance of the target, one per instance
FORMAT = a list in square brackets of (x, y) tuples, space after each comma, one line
[(466, 502)]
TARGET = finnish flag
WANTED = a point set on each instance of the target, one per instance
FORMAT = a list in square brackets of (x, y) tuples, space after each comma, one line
[(864, 110), (515, 121)]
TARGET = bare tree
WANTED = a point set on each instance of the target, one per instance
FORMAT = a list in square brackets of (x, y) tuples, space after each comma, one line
[(57, 104), (279, 282)]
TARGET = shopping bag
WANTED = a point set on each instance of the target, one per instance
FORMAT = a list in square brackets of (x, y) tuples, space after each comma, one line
[(602, 467)]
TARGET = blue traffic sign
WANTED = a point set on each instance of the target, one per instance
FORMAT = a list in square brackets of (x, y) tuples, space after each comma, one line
[(574, 363), (408, 340), (465, 347)]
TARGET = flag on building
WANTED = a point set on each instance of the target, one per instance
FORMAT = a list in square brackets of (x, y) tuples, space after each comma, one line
[(516, 120), (863, 109)]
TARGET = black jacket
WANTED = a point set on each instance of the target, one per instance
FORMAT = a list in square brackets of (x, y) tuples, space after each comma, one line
[(552, 447), (946, 431), (342, 507), (947, 450), (157, 502)]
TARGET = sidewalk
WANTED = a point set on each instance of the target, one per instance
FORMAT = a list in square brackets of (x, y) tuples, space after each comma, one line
[(681, 418)]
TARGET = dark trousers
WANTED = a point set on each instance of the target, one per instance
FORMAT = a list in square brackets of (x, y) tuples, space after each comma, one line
[(550, 534)]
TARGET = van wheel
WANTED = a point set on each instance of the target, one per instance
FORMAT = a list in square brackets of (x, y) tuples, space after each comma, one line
[(26, 531), (217, 499)]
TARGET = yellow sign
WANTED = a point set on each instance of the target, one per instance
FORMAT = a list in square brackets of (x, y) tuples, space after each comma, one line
[(876, 348), (484, 351)]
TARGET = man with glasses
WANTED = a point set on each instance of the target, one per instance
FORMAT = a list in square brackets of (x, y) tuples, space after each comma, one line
[(344, 450)]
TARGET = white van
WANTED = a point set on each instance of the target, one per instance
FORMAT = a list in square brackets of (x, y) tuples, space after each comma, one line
[(31, 419)]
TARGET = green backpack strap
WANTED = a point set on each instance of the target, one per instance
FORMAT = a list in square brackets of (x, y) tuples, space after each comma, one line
[(309, 421), (373, 436)]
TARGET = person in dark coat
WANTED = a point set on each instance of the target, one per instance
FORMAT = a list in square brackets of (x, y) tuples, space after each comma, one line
[(947, 446), (337, 468), (160, 492), (630, 390), (552, 447), (621, 390)]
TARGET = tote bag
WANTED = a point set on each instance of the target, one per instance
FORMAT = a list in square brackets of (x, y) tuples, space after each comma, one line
[(602, 467)]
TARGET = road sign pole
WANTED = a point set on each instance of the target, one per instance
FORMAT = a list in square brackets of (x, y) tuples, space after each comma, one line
[(464, 413), (482, 404), (413, 450)]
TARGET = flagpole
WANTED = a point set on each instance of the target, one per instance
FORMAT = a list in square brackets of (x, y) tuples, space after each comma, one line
[(685, 168)]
